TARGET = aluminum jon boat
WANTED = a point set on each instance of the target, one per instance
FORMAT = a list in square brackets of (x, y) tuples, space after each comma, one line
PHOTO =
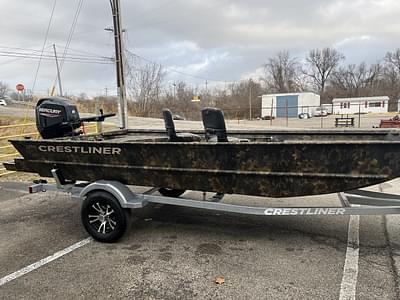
[(263, 163)]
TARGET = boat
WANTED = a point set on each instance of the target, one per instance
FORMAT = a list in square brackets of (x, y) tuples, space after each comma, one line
[(272, 163)]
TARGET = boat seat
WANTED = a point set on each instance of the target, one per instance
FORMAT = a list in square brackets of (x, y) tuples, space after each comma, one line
[(214, 126), (173, 136)]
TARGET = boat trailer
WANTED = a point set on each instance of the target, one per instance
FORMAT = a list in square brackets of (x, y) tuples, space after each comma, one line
[(106, 205)]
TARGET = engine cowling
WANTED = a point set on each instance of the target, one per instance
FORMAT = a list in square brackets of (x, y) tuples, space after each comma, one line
[(57, 117)]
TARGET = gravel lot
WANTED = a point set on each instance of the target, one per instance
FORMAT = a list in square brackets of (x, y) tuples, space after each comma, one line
[(366, 121)]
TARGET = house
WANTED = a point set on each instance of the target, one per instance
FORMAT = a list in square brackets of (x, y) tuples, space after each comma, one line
[(361, 105), (291, 105)]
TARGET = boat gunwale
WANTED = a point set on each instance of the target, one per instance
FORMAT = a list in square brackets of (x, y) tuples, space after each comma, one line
[(213, 143)]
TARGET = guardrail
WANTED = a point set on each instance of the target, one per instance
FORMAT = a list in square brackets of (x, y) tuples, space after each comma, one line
[(7, 132), (7, 151)]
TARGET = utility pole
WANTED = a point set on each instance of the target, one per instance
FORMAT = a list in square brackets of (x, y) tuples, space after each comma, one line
[(106, 92), (123, 105), (250, 96), (58, 71), (206, 96)]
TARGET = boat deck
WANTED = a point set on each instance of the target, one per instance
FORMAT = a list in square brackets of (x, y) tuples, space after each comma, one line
[(137, 135)]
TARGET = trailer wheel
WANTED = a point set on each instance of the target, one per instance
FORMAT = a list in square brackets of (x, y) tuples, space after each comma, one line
[(103, 217), (170, 192)]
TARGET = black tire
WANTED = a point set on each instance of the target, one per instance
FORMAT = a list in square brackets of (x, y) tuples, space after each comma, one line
[(170, 192), (103, 217)]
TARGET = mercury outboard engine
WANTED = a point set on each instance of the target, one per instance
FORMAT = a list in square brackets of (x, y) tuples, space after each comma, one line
[(56, 117)]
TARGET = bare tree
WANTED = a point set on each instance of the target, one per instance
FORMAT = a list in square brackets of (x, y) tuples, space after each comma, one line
[(393, 59), (3, 89), (321, 64), (282, 73), (145, 86), (392, 77), (235, 101), (182, 101), (357, 80)]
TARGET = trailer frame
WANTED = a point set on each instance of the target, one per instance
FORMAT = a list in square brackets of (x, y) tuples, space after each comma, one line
[(356, 202)]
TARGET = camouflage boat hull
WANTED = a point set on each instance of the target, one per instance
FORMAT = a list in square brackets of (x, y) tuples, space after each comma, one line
[(275, 169)]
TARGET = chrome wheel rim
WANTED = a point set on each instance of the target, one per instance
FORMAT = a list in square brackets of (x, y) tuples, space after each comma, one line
[(102, 218)]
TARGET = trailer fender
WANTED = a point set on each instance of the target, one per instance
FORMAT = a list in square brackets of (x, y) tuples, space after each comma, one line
[(125, 197)]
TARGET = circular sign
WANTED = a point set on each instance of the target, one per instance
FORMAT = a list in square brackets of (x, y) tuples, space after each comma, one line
[(20, 87)]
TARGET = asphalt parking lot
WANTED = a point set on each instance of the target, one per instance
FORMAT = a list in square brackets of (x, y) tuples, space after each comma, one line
[(176, 253)]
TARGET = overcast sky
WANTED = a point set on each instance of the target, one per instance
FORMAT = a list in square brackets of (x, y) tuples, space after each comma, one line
[(219, 40)]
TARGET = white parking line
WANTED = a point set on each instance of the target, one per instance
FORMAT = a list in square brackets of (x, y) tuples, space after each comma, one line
[(350, 270), (43, 261)]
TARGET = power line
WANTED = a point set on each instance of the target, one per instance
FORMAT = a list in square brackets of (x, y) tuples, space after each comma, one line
[(15, 59), (44, 44), (69, 39), (23, 49), (69, 57), (85, 52), (71, 32), (51, 57), (48, 53), (30, 51)]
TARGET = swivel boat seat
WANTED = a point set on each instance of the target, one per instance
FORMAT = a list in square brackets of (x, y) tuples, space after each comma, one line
[(173, 136), (214, 126)]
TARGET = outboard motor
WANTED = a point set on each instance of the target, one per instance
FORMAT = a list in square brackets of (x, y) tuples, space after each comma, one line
[(57, 117)]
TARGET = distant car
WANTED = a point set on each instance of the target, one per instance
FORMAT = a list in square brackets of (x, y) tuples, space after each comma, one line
[(267, 118), (304, 116), (321, 112), (178, 117), (3, 102)]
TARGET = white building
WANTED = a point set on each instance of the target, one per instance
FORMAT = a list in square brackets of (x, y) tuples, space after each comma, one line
[(290, 104), (360, 105)]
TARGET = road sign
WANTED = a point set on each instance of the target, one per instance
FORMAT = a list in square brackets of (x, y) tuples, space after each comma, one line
[(196, 99), (20, 87)]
